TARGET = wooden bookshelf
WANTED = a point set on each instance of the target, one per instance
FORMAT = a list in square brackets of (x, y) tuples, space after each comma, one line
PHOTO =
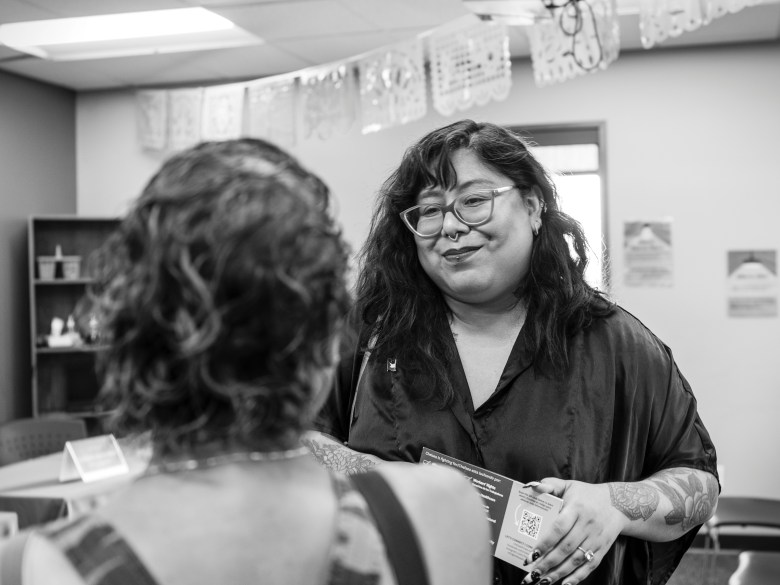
[(63, 377)]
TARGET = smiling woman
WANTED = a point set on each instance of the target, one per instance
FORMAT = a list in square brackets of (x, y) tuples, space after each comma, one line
[(481, 338)]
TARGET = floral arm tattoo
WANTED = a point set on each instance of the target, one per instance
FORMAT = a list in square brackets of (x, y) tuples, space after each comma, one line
[(337, 457), (692, 500)]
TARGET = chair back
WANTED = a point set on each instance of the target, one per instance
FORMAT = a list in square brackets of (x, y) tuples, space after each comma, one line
[(33, 437), (757, 568)]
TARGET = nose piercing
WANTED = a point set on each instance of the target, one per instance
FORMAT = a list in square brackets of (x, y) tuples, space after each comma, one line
[(454, 239)]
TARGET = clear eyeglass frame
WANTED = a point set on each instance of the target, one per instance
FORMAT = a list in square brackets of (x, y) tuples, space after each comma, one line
[(454, 208)]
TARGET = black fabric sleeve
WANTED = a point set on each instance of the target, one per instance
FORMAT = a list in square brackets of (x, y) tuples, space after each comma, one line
[(333, 417), (678, 438)]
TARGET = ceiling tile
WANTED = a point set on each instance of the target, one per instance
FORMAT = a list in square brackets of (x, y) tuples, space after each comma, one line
[(17, 11), (7, 53), (407, 13), (212, 3), (296, 19), (250, 62), (327, 49), (68, 8), (71, 75)]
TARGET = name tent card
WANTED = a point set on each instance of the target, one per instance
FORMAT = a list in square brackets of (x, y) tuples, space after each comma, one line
[(518, 516), (92, 459)]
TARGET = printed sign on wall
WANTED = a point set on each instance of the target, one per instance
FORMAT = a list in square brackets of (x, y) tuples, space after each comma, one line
[(752, 283), (648, 253)]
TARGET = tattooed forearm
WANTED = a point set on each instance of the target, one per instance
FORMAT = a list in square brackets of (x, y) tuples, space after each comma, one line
[(339, 458), (690, 496), (635, 500), (692, 500)]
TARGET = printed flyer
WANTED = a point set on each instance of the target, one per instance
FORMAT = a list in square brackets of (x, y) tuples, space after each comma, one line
[(518, 515), (752, 283), (648, 253)]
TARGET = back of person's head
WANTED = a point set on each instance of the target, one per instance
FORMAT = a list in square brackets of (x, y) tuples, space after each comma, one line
[(219, 298)]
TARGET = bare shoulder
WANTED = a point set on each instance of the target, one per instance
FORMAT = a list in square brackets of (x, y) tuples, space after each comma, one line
[(45, 564), (449, 519), (425, 482)]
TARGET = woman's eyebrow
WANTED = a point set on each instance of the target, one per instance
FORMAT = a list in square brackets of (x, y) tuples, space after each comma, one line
[(432, 192), (487, 183)]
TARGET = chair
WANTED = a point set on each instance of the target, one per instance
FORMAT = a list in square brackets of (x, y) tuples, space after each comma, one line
[(9, 524), (32, 511), (734, 511), (26, 438), (757, 568)]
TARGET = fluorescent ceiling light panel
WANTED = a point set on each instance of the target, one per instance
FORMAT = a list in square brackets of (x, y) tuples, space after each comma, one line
[(123, 35)]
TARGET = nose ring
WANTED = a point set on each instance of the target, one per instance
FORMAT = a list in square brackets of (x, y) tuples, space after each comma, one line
[(454, 239)]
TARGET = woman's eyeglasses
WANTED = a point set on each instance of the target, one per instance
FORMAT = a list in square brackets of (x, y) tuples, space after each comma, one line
[(473, 209)]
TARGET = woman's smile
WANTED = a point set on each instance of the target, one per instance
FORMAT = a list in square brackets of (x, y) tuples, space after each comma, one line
[(459, 255)]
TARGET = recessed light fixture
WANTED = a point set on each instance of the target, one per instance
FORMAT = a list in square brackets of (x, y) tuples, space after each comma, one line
[(123, 35)]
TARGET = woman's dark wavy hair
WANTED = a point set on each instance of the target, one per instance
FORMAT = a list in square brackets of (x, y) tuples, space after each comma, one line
[(218, 297), (394, 292)]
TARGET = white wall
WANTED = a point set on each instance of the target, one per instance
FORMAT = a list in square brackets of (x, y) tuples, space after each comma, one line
[(691, 135)]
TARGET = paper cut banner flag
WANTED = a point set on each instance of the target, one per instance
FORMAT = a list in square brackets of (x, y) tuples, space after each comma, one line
[(152, 118), (392, 86), (327, 101), (470, 65), (184, 115), (223, 109), (271, 111), (572, 40)]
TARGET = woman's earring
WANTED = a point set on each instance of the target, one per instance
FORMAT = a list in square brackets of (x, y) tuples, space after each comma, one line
[(537, 225)]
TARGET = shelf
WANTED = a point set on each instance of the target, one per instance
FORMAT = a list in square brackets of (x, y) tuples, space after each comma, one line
[(62, 281), (66, 350), (64, 380), (82, 412)]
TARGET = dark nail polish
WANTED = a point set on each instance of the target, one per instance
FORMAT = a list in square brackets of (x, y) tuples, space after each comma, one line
[(535, 576), (525, 562), (536, 555)]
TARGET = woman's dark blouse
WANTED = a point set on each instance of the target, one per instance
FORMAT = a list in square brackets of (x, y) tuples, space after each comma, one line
[(622, 412)]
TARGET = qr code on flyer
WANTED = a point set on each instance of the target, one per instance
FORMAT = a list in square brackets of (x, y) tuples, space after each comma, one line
[(530, 524)]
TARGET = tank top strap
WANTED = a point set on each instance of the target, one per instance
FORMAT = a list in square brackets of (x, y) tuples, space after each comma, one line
[(358, 555)]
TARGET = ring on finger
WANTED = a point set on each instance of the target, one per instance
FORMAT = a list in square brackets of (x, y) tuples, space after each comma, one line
[(588, 554)]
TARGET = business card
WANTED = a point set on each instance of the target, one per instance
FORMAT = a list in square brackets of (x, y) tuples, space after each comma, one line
[(519, 517)]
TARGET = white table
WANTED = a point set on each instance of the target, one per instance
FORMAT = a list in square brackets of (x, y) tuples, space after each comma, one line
[(33, 490)]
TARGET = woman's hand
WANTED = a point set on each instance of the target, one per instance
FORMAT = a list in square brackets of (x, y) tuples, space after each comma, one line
[(580, 537), (660, 508)]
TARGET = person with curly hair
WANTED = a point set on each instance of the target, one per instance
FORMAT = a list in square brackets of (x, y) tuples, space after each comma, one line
[(481, 339), (221, 298)]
